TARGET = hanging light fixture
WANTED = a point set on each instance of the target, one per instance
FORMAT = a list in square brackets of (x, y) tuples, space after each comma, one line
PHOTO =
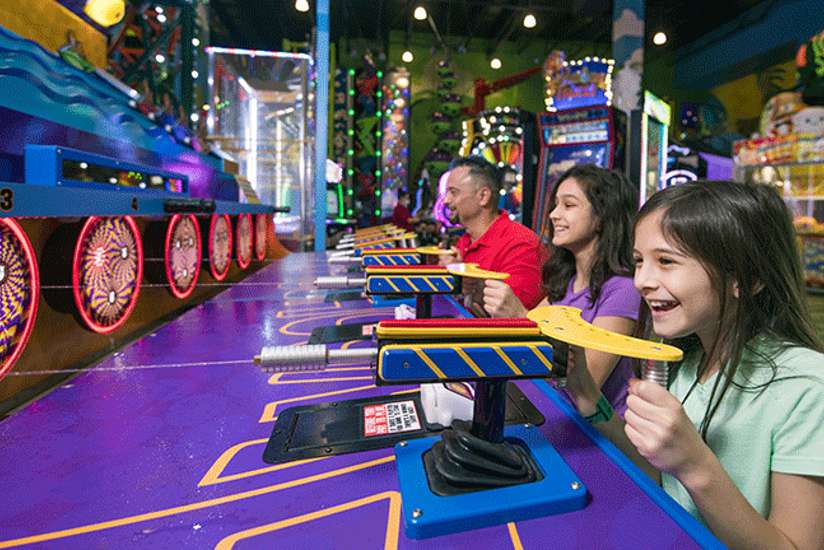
[(659, 38), (495, 63), (420, 13), (105, 12), (302, 5), (407, 57), (530, 21)]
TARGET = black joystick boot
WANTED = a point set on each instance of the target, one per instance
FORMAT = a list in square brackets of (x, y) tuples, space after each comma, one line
[(463, 463)]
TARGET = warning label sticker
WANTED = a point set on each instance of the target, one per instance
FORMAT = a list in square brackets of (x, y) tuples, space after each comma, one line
[(390, 418)]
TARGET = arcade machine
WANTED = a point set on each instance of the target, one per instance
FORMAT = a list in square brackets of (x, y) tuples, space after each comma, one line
[(96, 197), (685, 164), (505, 136), (394, 153), (579, 127), (648, 131)]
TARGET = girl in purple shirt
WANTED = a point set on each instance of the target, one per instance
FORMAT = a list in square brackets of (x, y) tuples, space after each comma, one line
[(590, 265)]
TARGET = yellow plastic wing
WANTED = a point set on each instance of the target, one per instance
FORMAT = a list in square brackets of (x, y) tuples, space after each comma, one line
[(433, 251), (472, 271), (564, 323)]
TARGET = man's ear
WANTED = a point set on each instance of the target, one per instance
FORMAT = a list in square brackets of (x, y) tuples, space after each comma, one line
[(485, 195)]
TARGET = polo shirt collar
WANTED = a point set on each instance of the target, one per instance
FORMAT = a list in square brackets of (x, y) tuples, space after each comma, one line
[(491, 232)]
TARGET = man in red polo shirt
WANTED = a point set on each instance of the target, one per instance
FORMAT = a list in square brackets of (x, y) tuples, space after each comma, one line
[(492, 240)]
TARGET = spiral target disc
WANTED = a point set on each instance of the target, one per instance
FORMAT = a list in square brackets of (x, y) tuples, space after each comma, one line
[(261, 229), (220, 246), (244, 240), (107, 270), (19, 292), (182, 254)]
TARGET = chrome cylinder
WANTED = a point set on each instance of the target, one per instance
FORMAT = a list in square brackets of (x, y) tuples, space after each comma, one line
[(339, 281), (656, 371), (345, 260), (309, 358)]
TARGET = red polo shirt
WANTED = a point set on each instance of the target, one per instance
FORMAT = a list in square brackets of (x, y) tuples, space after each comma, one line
[(509, 247)]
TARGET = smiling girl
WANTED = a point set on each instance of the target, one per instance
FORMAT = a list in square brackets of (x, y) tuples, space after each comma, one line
[(738, 439), (590, 265)]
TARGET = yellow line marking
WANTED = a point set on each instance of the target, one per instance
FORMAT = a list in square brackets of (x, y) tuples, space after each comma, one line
[(370, 312), (392, 521), (507, 360), (450, 282), (425, 358), (409, 282), (213, 477), (308, 311), (401, 392), (541, 357), (468, 360), (270, 408), (389, 281), (148, 516), (513, 534), (342, 369), (276, 381)]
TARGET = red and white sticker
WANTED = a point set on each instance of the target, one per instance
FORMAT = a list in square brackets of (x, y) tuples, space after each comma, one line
[(390, 418)]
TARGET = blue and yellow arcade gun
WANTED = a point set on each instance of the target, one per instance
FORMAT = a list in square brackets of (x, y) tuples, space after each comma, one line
[(481, 473)]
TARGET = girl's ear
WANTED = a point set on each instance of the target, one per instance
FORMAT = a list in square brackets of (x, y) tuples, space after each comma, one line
[(736, 290)]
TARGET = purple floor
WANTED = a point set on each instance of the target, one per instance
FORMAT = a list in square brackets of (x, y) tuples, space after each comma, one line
[(160, 445)]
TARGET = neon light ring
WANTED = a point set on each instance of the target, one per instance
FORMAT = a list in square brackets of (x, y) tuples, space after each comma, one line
[(220, 246), (19, 292), (182, 254), (261, 230), (107, 271), (244, 240)]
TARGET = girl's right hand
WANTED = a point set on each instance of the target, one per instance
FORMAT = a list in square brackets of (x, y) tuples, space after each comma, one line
[(579, 384)]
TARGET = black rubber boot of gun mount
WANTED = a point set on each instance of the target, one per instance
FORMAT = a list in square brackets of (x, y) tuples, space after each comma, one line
[(463, 463)]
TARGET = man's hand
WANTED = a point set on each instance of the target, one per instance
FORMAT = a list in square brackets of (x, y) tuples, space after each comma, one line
[(500, 301), (453, 257)]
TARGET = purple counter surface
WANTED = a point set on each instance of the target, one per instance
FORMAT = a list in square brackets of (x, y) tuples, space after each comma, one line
[(160, 446)]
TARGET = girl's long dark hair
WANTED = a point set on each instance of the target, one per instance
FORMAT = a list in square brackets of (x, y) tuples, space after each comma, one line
[(742, 235), (614, 201)]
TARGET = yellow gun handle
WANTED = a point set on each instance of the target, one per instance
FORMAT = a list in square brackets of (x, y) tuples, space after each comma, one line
[(433, 251), (565, 324), (472, 271)]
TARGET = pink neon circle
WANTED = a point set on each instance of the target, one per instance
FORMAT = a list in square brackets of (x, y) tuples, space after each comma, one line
[(34, 293), (244, 240), (91, 222), (220, 275), (170, 276)]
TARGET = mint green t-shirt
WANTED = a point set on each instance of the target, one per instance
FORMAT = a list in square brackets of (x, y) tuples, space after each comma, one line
[(779, 428)]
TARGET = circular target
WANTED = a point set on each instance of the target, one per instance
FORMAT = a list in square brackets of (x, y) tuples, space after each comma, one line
[(261, 229), (182, 254), (106, 272), (244, 240), (19, 292), (220, 246)]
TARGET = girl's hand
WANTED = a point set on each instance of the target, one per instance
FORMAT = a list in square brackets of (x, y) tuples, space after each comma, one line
[(500, 301), (579, 383), (452, 258), (663, 434)]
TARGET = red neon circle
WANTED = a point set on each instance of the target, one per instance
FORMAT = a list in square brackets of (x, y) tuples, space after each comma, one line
[(34, 292), (78, 299), (244, 240), (167, 256), (219, 276), (261, 229)]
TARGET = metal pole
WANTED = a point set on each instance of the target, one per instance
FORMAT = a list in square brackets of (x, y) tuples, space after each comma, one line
[(321, 119)]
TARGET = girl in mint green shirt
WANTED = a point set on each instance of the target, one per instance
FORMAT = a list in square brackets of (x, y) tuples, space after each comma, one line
[(738, 436)]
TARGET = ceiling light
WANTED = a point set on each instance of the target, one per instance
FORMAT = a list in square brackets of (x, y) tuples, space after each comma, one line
[(302, 5), (530, 21), (495, 63), (659, 39), (420, 13), (195, 42), (160, 58), (403, 82), (407, 57)]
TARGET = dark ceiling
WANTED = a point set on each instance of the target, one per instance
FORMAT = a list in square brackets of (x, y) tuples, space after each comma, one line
[(262, 24)]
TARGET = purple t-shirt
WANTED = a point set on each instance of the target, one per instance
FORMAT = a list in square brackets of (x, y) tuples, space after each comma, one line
[(618, 298)]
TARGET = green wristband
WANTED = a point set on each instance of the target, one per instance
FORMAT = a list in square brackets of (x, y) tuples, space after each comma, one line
[(603, 411)]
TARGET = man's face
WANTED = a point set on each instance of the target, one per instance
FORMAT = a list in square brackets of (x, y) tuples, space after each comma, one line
[(464, 198)]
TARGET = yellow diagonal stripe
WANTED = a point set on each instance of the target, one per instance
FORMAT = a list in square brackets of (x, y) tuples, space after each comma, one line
[(507, 360), (541, 357), (425, 358), (468, 360)]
